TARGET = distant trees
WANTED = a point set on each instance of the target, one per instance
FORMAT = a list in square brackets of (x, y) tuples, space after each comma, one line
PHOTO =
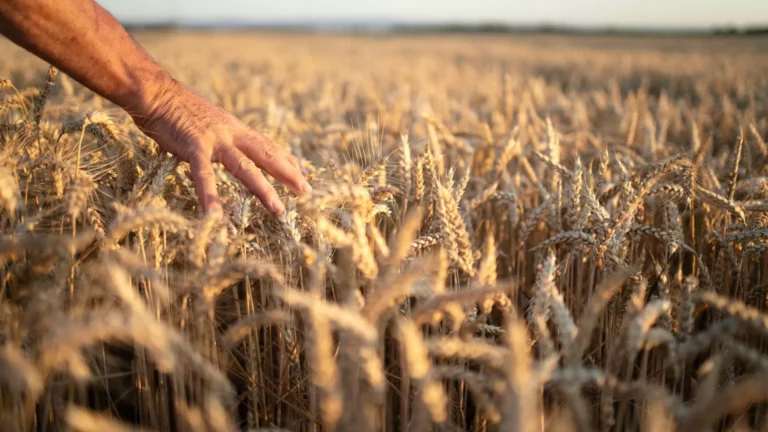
[(429, 28), (733, 31)]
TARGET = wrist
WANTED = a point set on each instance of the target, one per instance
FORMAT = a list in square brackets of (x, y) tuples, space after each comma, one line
[(151, 94)]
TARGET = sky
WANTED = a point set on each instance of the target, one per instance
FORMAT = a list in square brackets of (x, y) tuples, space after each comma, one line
[(617, 13)]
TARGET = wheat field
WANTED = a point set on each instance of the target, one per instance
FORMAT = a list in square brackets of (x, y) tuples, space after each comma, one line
[(529, 233)]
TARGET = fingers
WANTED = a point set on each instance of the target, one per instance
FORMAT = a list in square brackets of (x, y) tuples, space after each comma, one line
[(247, 172), (276, 161), (205, 184)]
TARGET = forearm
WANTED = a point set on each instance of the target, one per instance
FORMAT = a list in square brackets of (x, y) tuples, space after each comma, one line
[(87, 43)]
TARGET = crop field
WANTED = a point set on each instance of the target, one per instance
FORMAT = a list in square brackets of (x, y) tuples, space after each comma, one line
[(518, 233)]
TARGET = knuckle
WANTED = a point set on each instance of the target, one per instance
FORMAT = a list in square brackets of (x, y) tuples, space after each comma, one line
[(242, 166), (205, 175), (208, 174), (205, 171), (196, 155), (268, 151)]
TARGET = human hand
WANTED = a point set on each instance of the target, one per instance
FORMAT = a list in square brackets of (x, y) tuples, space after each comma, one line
[(196, 131), (104, 58)]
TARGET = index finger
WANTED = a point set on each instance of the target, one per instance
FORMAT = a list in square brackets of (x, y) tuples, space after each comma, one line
[(276, 161)]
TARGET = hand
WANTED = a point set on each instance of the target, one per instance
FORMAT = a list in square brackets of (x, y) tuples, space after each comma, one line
[(107, 60), (196, 131)]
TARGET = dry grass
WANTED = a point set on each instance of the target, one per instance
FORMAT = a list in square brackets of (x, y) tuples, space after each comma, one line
[(505, 234)]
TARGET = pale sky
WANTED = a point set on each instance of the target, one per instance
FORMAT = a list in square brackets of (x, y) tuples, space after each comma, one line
[(635, 13)]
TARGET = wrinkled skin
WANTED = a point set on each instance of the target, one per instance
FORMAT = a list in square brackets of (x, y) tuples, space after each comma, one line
[(196, 131)]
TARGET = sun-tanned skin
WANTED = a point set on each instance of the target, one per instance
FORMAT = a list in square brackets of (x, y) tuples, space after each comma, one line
[(87, 43)]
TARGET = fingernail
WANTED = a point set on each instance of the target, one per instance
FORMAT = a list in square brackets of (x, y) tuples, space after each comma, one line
[(305, 187), (303, 171), (277, 207)]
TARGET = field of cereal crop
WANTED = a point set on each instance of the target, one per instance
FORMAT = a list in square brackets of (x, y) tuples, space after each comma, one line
[(518, 233)]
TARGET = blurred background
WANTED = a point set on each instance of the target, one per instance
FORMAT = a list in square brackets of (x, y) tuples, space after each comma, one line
[(655, 16)]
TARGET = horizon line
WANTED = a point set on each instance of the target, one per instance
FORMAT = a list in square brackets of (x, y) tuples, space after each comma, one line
[(377, 25)]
